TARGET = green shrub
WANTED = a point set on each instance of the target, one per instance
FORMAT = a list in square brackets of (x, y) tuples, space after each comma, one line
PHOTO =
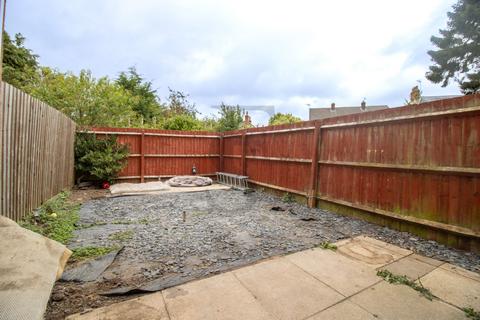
[(182, 122), (99, 159)]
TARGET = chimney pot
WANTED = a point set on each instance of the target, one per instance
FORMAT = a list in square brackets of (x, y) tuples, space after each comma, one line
[(332, 106)]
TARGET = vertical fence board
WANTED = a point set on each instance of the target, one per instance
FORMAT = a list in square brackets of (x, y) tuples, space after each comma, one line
[(36, 153)]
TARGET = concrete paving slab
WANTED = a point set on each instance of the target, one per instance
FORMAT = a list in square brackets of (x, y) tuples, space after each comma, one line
[(395, 301), (344, 310), (337, 271), (285, 290), (410, 267), (371, 252), (453, 288), (463, 272), (218, 297), (391, 247), (148, 307), (430, 261)]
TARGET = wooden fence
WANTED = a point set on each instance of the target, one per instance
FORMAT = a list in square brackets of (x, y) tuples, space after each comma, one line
[(415, 168), (36, 153), (158, 154)]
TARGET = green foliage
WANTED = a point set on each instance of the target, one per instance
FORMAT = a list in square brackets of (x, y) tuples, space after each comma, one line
[(458, 54), (209, 124), (182, 122), (84, 99), (283, 118), (327, 245), (56, 218), (230, 118), (471, 313), (99, 158), (178, 104), (19, 63), (122, 235), (90, 252), (288, 197), (145, 101), (397, 279)]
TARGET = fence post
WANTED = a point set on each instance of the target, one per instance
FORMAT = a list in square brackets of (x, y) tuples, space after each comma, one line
[(221, 151), (312, 194), (142, 157), (244, 150)]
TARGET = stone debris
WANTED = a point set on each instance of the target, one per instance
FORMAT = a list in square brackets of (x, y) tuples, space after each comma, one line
[(189, 181)]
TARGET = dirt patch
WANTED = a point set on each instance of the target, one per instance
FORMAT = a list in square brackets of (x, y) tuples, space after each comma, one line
[(177, 237), (84, 195)]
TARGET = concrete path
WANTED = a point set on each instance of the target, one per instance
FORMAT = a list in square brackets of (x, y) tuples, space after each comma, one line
[(314, 284)]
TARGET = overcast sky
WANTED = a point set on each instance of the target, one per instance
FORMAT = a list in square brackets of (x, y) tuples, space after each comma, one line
[(289, 54)]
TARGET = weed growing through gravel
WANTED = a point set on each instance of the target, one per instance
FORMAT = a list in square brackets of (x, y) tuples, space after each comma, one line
[(397, 279), (121, 235), (471, 313), (55, 219), (90, 252), (288, 197), (327, 245)]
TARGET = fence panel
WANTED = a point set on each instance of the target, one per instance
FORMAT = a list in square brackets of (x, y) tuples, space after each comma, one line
[(415, 168), (157, 154), (36, 156)]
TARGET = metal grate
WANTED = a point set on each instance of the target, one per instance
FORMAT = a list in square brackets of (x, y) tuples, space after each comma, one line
[(233, 180)]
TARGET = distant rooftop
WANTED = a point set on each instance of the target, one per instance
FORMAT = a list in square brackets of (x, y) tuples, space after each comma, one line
[(333, 111)]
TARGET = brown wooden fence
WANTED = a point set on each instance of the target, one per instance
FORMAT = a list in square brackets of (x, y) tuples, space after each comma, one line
[(415, 168), (156, 154), (36, 156)]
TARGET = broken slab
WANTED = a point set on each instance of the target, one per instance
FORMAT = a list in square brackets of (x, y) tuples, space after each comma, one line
[(29, 265), (220, 297), (148, 307), (371, 252), (156, 187), (90, 270), (453, 288), (345, 275), (396, 301), (285, 290)]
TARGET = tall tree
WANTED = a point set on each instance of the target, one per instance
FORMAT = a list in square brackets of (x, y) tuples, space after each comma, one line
[(145, 100), (20, 64), (178, 103), (283, 118), (230, 118), (86, 100), (458, 54)]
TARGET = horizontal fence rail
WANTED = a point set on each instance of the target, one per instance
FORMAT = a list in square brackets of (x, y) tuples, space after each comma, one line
[(37, 159)]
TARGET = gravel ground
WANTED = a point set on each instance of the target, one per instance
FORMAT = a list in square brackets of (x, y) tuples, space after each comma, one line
[(173, 238)]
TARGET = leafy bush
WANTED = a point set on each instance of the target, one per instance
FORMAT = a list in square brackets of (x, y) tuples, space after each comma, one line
[(99, 159), (182, 122)]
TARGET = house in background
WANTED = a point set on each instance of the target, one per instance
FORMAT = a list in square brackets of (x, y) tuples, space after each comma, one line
[(333, 111)]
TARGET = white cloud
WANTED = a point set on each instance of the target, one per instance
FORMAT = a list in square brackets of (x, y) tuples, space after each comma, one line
[(286, 53)]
